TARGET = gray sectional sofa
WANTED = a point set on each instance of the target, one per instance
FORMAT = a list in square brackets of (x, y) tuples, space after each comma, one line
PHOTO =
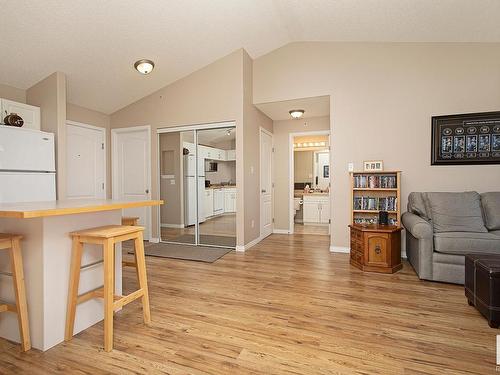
[(442, 227)]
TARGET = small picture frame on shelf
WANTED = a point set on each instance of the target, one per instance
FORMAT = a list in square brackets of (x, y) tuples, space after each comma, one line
[(373, 165)]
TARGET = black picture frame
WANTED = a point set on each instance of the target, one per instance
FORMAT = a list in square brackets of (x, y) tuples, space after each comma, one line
[(466, 139)]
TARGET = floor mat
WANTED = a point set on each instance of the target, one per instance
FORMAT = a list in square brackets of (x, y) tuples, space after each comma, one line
[(207, 239), (185, 252)]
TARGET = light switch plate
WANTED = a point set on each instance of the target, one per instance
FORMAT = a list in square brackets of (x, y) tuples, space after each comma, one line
[(350, 167)]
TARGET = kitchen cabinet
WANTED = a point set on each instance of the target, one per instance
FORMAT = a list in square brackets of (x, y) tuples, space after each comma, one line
[(231, 155), (229, 200), (218, 201), (30, 114), (209, 202), (316, 209)]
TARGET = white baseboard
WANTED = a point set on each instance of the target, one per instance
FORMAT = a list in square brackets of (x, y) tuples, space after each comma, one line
[(249, 245), (177, 226), (154, 240), (281, 231), (339, 249)]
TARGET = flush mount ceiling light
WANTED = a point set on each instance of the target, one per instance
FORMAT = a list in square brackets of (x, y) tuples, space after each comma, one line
[(296, 113), (144, 66)]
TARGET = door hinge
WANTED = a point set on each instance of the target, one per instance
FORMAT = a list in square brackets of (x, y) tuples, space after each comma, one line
[(273, 219), (102, 146), (103, 186), (329, 221), (273, 149)]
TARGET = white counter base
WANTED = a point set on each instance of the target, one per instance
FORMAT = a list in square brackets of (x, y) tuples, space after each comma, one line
[(46, 249)]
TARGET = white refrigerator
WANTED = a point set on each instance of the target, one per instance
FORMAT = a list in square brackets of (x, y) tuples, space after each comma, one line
[(27, 165), (191, 193)]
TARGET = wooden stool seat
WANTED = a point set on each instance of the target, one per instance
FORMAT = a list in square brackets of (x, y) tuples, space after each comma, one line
[(130, 220), (107, 236), (12, 242)]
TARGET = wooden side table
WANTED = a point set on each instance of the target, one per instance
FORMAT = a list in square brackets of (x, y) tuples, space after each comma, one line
[(376, 248)]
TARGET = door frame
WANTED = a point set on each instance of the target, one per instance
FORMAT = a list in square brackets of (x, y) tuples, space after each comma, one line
[(263, 130), (291, 172), (105, 148), (114, 157), (195, 128)]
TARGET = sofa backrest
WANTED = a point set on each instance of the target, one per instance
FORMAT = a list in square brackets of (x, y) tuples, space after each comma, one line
[(418, 205), (491, 209)]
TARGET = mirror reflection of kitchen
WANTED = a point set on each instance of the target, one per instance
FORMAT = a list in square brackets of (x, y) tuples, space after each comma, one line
[(217, 207), (311, 184)]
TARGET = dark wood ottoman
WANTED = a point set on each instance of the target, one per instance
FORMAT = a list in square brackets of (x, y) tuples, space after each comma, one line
[(482, 285)]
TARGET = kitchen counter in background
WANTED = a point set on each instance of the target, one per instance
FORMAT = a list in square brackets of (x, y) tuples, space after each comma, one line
[(46, 249)]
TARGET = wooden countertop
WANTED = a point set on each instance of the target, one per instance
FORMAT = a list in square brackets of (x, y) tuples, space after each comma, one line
[(68, 207)]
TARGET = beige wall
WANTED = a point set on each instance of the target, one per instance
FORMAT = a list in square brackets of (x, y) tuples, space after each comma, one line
[(95, 118), (173, 214), (303, 162), (282, 130), (12, 93), (382, 100), (253, 120), (50, 95), (211, 94)]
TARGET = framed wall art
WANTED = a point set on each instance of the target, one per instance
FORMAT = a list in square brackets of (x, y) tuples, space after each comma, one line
[(472, 138), (373, 165)]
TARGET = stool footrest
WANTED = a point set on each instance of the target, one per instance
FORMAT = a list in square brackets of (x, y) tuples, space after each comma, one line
[(128, 263), (8, 307), (119, 301)]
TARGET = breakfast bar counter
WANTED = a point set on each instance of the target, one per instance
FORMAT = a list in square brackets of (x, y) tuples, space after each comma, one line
[(46, 250)]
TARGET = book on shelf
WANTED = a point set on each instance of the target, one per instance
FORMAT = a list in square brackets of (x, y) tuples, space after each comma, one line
[(373, 220), (389, 203), (375, 182)]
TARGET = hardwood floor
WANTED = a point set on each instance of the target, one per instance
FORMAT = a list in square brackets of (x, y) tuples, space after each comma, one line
[(222, 225), (310, 229), (287, 305)]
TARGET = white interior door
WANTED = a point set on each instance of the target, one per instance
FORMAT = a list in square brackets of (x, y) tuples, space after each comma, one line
[(131, 160), (85, 161), (266, 185)]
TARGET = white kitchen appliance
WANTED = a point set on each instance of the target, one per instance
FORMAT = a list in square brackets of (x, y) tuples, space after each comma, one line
[(191, 171), (27, 165)]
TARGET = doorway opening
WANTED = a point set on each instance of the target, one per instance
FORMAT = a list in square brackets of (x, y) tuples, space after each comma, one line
[(310, 183), (197, 170)]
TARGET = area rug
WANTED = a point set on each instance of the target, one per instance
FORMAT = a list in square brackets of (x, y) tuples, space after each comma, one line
[(185, 252), (207, 239)]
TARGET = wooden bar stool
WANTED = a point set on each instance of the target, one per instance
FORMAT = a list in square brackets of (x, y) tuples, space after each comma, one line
[(12, 242), (106, 236), (129, 220)]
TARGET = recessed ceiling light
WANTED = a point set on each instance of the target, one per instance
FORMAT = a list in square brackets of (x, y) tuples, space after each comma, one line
[(296, 113), (144, 66), (228, 132)]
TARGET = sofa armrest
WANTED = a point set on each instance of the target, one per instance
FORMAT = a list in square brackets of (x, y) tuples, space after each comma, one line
[(417, 226), (419, 244)]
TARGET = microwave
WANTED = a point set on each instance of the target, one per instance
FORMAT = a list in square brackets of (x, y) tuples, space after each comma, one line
[(210, 166)]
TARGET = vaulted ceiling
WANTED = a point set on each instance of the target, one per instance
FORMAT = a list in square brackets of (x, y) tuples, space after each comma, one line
[(96, 42)]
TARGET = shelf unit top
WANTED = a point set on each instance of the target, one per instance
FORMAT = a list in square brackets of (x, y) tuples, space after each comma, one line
[(376, 172)]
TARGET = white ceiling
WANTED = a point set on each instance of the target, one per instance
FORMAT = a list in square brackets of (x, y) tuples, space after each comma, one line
[(96, 42), (313, 107)]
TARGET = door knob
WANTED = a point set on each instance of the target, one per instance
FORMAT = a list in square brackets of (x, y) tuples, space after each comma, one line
[(263, 190), (147, 191)]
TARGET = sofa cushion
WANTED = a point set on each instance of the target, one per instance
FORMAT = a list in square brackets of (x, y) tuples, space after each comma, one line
[(491, 209), (417, 205), (456, 212), (466, 242)]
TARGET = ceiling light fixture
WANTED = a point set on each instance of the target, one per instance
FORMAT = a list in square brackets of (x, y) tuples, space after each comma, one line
[(296, 113), (228, 132), (144, 66)]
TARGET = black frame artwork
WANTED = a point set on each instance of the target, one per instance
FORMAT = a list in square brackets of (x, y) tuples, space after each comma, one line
[(466, 139)]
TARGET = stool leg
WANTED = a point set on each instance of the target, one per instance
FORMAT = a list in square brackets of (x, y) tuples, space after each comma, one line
[(109, 276), (20, 291), (143, 280), (74, 281)]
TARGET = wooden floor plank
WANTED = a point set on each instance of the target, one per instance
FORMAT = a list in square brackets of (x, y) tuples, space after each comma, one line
[(286, 306)]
